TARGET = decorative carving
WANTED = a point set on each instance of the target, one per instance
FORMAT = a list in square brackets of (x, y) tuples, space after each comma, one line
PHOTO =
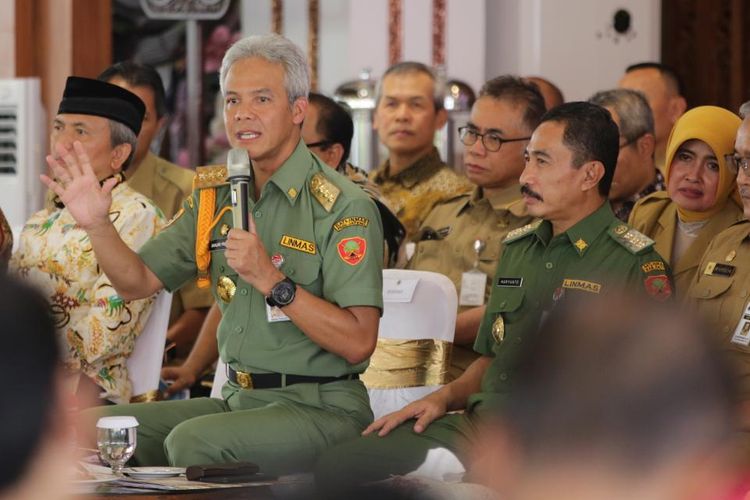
[(394, 31), (277, 16), (438, 33), (185, 9), (313, 28)]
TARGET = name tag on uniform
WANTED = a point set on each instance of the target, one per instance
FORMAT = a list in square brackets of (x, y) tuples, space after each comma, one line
[(509, 282), (742, 332), (719, 269), (219, 244), (274, 314), (473, 284)]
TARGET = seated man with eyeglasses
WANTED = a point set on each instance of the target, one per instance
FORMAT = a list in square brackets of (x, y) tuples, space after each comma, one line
[(636, 174), (461, 237), (719, 290)]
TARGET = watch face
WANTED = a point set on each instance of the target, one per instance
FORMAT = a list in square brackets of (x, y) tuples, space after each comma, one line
[(283, 293)]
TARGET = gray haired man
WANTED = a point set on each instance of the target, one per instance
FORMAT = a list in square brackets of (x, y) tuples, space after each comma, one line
[(300, 291), (636, 174)]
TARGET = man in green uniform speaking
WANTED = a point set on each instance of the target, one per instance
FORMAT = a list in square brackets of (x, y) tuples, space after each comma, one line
[(579, 248), (300, 292)]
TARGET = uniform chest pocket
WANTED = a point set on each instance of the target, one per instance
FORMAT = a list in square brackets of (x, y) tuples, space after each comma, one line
[(710, 287), (506, 299), (304, 269)]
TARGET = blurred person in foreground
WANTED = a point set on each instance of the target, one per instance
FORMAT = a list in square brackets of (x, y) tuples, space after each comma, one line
[(617, 398), (36, 435), (636, 175), (698, 202)]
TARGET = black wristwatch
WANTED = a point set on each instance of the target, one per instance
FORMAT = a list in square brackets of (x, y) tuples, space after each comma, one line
[(282, 294)]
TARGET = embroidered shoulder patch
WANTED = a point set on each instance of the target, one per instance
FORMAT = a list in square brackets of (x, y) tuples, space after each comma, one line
[(351, 221), (519, 233), (324, 191), (352, 250), (212, 176), (298, 244), (658, 287), (633, 240)]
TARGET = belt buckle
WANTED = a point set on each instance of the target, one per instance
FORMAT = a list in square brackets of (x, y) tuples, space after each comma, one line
[(244, 380)]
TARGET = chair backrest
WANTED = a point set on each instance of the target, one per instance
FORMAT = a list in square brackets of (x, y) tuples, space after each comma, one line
[(416, 305), (144, 363), (220, 378)]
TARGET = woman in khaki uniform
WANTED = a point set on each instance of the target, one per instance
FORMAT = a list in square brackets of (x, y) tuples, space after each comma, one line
[(698, 202)]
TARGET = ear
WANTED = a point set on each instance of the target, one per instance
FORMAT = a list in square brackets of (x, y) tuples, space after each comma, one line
[(593, 172), (440, 118), (160, 123), (336, 153), (677, 107), (646, 145), (119, 155), (299, 110)]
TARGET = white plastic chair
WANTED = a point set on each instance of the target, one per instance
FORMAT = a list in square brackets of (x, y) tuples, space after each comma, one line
[(220, 378), (144, 363), (416, 305)]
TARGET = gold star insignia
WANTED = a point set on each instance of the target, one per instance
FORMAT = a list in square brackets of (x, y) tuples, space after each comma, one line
[(581, 245), (292, 193)]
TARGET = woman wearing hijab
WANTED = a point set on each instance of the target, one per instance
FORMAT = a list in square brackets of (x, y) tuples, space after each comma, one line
[(698, 203)]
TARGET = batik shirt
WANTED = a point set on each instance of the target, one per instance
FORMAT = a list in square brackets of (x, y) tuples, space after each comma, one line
[(97, 328)]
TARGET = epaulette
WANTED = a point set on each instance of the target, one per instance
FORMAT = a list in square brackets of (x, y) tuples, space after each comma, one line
[(324, 191), (633, 240), (211, 176), (519, 233)]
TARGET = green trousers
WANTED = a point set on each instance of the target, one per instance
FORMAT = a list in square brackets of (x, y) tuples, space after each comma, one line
[(372, 458), (282, 430)]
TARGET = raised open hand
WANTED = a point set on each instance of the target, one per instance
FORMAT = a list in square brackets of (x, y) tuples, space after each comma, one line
[(78, 186)]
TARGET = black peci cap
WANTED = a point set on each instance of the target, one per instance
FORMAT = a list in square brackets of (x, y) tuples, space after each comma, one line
[(84, 96)]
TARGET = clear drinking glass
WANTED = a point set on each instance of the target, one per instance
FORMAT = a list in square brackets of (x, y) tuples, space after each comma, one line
[(116, 440)]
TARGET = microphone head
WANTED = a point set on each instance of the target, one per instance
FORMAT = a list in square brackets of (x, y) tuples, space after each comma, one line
[(238, 163)]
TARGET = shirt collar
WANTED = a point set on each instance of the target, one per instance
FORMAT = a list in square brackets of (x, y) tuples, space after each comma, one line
[(291, 176), (424, 167), (506, 200), (584, 232)]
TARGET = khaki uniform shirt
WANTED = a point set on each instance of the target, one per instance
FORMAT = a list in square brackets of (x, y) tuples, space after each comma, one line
[(96, 326), (412, 193), (325, 233), (6, 242), (720, 293), (656, 217), (598, 255), (445, 244), (168, 185)]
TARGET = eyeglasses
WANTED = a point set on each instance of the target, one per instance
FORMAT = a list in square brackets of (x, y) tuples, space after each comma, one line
[(735, 161), (320, 144), (491, 141)]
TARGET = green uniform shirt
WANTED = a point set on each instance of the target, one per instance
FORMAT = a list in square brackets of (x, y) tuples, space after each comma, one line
[(597, 255), (333, 252), (445, 244)]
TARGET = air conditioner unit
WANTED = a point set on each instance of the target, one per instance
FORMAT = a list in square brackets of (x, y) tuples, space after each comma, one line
[(22, 149)]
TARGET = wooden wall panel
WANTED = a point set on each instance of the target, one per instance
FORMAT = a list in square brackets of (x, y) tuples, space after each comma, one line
[(703, 41)]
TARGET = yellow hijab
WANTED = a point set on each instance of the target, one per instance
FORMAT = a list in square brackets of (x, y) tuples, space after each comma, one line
[(716, 127)]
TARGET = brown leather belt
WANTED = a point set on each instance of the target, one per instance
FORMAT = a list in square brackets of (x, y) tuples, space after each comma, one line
[(274, 380)]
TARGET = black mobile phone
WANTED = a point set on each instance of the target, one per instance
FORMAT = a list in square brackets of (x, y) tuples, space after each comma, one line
[(246, 478)]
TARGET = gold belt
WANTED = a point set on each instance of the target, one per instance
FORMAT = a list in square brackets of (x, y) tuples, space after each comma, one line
[(399, 363)]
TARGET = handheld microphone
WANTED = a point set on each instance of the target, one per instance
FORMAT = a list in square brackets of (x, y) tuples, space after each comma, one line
[(240, 175)]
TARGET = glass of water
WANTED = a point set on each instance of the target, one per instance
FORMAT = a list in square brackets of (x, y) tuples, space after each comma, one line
[(116, 440)]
